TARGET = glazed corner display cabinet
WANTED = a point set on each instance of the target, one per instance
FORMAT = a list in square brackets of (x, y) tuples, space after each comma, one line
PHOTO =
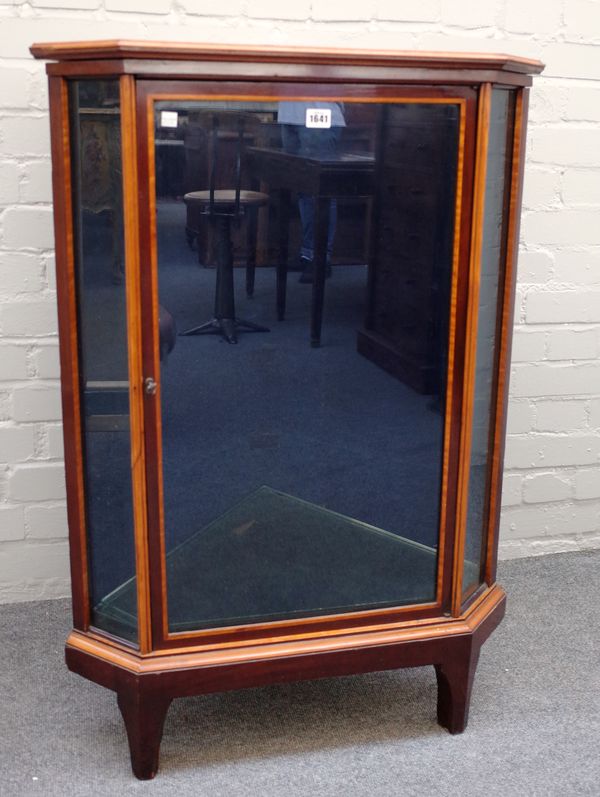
[(285, 285)]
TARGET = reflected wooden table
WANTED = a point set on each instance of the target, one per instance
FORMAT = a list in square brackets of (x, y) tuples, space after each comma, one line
[(347, 175)]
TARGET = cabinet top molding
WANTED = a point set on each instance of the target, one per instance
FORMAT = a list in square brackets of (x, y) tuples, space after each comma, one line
[(116, 49)]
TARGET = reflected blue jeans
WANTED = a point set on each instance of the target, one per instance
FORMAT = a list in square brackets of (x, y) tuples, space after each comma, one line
[(318, 144)]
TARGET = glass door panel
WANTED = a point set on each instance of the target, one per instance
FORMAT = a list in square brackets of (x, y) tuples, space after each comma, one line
[(305, 254), (95, 128), (497, 189)]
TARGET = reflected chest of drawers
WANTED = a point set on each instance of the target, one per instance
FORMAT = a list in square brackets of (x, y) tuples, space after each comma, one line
[(285, 285)]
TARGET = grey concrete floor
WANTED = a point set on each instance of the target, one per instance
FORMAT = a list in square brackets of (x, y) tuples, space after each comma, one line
[(534, 727)]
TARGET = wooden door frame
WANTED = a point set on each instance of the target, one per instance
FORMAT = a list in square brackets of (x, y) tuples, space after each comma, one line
[(147, 92)]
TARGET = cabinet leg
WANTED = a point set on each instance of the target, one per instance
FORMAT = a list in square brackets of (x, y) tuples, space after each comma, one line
[(455, 682), (144, 718)]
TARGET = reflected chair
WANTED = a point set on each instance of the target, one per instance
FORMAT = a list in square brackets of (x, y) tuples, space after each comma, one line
[(224, 208)]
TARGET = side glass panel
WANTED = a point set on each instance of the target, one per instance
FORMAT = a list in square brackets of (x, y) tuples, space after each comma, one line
[(492, 264), (100, 284), (304, 268)]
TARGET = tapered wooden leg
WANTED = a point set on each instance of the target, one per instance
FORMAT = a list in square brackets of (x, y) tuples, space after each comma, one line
[(455, 682), (144, 717)]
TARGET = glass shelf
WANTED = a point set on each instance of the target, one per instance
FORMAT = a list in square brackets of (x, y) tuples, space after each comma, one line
[(273, 557)]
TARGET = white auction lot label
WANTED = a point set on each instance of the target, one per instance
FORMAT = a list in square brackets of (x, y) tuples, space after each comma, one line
[(168, 119), (318, 117)]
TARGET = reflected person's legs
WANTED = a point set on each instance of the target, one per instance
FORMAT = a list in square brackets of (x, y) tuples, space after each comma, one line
[(318, 144), (306, 205)]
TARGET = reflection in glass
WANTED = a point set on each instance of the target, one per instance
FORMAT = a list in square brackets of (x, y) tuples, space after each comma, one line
[(492, 260), (312, 142), (271, 545), (98, 223), (302, 466)]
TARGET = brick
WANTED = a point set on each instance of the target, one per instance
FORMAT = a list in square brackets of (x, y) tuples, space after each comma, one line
[(511, 489), (32, 589), (547, 104), (534, 267), (588, 541), (511, 549), (28, 227), (544, 488), (515, 549), (587, 484), (15, 88), (36, 185), (9, 183), (147, 7), (88, 5), (527, 17), (17, 36), (37, 404), (581, 19), (30, 483), (550, 520), (12, 524), (46, 522), (470, 13), (560, 306), (569, 344), (13, 362), (582, 104), (595, 414), (28, 318), (424, 11), (546, 450), (25, 135), (564, 146), (20, 273), (342, 10), (17, 443), (46, 561), (520, 417), (50, 270), (5, 409), (38, 90), (528, 346), (215, 8), (581, 187), (577, 267), (55, 442), (541, 189), (561, 227), (571, 60), (47, 362), (389, 36), (272, 9), (560, 416), (555, 380)]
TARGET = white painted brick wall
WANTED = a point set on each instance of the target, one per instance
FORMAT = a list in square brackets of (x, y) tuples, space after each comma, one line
[(552, 482)]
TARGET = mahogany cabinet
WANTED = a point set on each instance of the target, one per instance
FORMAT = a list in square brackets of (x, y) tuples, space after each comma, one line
[(323, 497)]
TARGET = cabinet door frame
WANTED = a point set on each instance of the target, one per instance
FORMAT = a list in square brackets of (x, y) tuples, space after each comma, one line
[(150, 91), (62, 142)]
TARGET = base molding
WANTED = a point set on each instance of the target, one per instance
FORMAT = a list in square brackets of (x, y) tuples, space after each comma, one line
[(145, 685)]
